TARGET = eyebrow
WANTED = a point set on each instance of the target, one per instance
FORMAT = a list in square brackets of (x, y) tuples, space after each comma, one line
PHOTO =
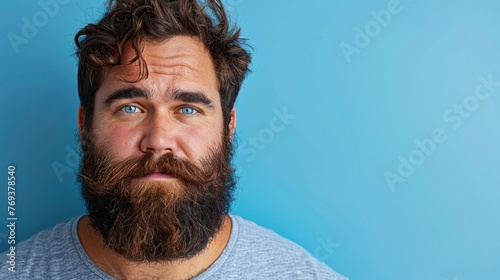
[(192, 97), (178, 95), (126, 93)]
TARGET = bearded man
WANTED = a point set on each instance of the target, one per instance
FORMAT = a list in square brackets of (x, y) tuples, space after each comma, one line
[(157, 82)]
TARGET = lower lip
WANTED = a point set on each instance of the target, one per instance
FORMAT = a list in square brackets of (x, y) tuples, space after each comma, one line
[(157, 176)]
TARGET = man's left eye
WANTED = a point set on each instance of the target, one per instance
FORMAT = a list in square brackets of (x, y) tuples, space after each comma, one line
[(188, 110)]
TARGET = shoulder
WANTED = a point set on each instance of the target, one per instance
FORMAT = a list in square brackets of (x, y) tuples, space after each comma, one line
[(49, 252), (255, 238), (259, 252)]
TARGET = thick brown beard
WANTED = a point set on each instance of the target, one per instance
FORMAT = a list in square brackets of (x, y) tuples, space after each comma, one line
[(156, 221)]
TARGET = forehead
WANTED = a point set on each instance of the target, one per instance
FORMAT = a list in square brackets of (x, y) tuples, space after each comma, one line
[(180, 62)]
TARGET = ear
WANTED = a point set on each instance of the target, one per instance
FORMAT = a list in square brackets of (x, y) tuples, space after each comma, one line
[(81, 120), (232, 124)]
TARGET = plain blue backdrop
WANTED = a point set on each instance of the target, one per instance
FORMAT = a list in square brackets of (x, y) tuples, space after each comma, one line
[(368, 131)]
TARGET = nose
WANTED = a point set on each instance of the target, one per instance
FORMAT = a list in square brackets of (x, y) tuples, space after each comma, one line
[(160, 134)]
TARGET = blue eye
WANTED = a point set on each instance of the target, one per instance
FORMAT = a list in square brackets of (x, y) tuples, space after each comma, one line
[(129, 109), (188, 111)]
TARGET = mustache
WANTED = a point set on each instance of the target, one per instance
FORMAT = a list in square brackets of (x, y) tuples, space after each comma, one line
[(105, 173)]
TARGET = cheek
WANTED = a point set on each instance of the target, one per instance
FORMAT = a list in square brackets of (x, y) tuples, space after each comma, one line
[(121, 141), (198, 141)]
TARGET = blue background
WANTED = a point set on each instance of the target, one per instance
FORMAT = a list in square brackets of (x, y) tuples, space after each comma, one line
[(319, 178)]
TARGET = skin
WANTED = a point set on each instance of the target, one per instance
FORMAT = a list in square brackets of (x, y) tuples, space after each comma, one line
[(160, 122)]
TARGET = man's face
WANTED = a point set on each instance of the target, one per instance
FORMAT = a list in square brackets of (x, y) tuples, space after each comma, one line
[(177, 109), (156, 172)]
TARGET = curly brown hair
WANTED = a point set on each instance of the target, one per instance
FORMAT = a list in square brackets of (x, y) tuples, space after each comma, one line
[(101, 46)]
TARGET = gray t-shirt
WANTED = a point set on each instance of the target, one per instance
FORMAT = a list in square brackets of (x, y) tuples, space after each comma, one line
[(253, 252)]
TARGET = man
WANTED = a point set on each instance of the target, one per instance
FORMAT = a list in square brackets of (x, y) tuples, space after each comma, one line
[(157, 82)]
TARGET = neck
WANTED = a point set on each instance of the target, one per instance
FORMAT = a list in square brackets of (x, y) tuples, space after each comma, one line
[(121, 268)]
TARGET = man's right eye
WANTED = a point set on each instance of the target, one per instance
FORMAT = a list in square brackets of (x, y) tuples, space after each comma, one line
[(130, 109)]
